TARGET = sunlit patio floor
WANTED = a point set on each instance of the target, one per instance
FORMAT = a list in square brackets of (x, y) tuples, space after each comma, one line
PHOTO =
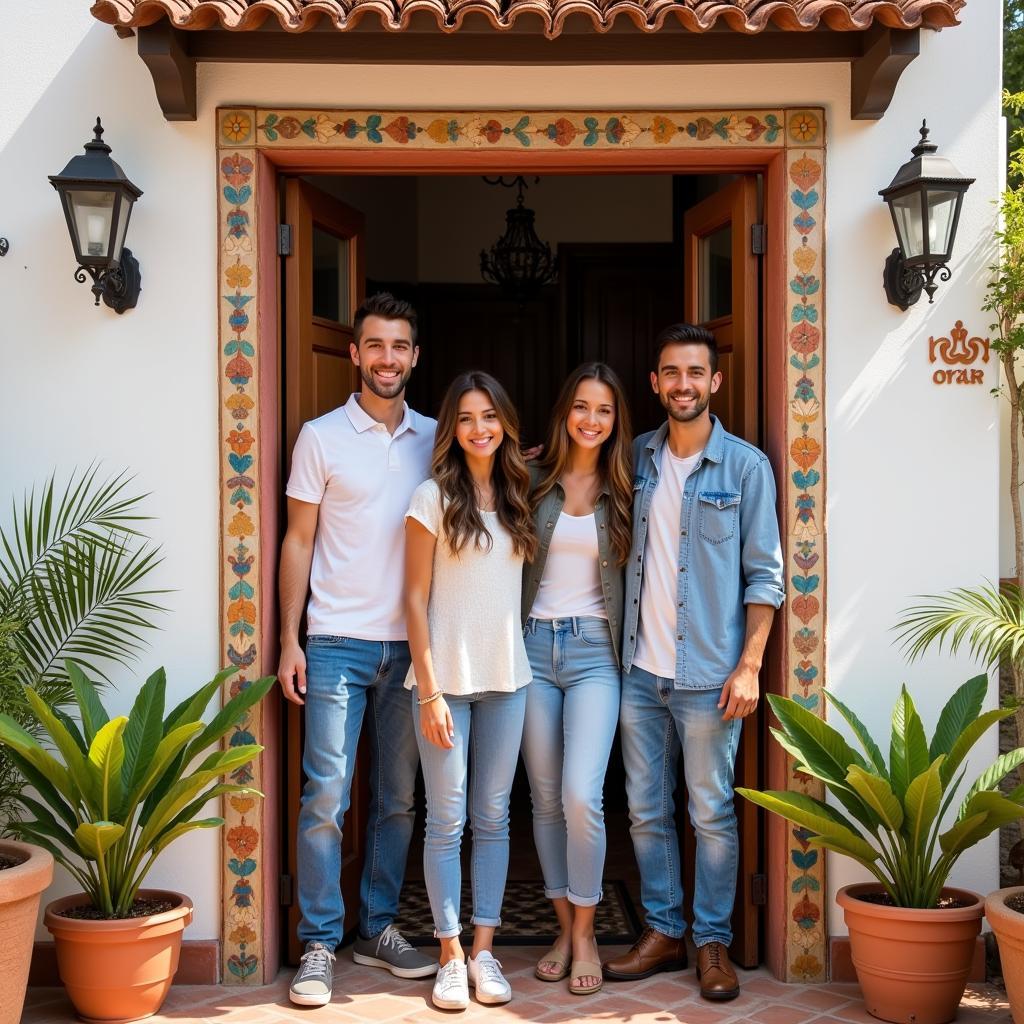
[(363, 994)]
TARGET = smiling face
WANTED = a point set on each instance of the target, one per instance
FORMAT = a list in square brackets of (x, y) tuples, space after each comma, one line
[(684, 382), (385, 355), (478, 430), (591, 417)]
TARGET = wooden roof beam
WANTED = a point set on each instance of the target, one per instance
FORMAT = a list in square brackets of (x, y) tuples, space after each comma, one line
[(875, 74)]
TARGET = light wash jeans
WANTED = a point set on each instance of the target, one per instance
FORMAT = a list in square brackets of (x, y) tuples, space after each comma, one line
[(572, 709), (657, 718), (490, 726), (345, 680)]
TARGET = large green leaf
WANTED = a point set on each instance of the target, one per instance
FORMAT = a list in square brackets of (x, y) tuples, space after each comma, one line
[(230, 715), (815, 816), (144, 730), (961, 709), (995, 810), (91, 711), (191, 708), (908, 748), (971, 734), (44, 816), (106, 756), (921, 805), (74, 759), (871, 748), (159, 766), (14, 736), (992, 776), (191, 810), (875, 791), (94, 838), (42, 785), (168, 837)]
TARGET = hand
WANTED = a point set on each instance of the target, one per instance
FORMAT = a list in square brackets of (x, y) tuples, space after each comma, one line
[(529, 454), (291, 672), (740, 693), (436, 724)]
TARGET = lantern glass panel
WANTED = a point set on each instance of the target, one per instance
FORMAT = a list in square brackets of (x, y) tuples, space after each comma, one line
[(941, 215), (92, 214), (909, 218), (120, 228)]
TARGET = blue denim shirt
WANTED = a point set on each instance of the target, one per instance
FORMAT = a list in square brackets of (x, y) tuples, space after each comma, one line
[(730, 553)]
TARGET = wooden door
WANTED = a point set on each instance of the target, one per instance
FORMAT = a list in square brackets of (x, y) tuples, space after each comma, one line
[(722, 295), (722, 288), (323, 285)]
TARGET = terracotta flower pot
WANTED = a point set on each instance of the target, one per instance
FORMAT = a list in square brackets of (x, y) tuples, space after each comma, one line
[(20, 888), (119, 970), (912, 965), (1008, 926)]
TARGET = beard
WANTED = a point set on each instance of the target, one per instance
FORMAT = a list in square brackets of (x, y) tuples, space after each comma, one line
[(385, 391), (686, 415)]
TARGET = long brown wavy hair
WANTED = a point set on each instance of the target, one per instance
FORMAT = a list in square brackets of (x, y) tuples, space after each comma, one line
[(462, 521), (615, 461)]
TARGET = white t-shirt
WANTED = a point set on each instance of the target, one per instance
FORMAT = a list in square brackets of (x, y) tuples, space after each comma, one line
[(476, 636), (361, 477), (571, 584), (656, 630)]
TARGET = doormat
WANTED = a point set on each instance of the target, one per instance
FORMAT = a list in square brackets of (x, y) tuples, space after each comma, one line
[(526, 918)]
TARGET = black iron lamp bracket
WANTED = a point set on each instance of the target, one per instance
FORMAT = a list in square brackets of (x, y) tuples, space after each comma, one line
[(120, 287), (903, 284)]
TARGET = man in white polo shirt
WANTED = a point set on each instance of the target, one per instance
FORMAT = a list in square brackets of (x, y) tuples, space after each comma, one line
[(353, 472)]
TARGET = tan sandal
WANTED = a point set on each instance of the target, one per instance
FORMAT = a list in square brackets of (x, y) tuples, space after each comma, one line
[(585, 969), (552, 956)]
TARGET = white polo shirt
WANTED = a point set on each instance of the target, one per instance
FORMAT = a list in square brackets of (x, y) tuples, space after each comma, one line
[(362, 478)]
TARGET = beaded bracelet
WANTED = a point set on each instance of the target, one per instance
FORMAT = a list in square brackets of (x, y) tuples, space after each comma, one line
[(433, 696)]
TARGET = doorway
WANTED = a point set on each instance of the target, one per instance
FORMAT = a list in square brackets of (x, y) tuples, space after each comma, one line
[(636, 252)]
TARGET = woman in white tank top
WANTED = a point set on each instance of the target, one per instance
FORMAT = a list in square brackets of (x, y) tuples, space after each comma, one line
[(572, 610)]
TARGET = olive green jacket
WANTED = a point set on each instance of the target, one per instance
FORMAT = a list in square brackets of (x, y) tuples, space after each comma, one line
[(612, 582)]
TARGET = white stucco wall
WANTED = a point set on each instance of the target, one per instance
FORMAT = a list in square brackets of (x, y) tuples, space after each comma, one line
[(913, 468)]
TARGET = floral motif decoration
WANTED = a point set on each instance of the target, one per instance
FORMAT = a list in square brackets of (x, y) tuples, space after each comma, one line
[(521, 130), (805, 875), (242, 923)]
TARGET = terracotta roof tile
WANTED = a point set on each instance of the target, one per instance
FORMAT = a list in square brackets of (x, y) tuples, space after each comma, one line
[(747, 16)]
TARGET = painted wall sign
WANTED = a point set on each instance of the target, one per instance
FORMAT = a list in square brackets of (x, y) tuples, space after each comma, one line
[(959, 353)]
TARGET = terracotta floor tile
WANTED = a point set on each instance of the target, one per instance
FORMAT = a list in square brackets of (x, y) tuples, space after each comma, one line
[(777, 1013), (854, 1012), (765, 986), (821, 997)]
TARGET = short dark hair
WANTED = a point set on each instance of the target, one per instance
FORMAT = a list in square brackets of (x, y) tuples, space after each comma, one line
[(387, 307), (686, 334)]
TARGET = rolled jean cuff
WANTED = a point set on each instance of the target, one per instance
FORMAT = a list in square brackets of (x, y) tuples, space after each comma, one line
[(485, 922), (706, 940), (448, 933), (585, 901), (560, 893)]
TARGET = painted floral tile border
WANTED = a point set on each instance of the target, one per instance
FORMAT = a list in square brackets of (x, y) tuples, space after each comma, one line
[(515, 130), (241, 132)]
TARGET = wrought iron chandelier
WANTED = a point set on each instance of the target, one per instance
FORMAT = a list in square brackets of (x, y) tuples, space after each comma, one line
[(519, 262)]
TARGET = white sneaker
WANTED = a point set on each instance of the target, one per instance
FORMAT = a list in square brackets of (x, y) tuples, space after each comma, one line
[(486, 977), (451, 990)]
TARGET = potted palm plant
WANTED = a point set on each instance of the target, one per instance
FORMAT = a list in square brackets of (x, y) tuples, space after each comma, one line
[(117, 793), (911, 936)]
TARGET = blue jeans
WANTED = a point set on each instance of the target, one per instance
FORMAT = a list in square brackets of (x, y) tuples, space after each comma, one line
[(656, 720), (491, 726), (345, 679), (572, 709)]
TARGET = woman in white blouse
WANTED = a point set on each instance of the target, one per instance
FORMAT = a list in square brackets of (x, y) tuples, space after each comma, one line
[(468, 532), (572, 608)]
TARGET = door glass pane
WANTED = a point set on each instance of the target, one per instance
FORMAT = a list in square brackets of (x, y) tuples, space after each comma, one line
[(331, 277), (714, 274)]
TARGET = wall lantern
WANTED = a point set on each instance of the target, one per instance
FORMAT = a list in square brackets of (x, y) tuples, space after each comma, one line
[(518, 261), (98, 199), (924, 199)]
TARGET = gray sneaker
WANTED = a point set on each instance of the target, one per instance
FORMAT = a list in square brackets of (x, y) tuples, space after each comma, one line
[(314, 979), (390, 951)]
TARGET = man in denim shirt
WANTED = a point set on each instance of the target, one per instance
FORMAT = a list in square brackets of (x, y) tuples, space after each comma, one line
[(702, 585)]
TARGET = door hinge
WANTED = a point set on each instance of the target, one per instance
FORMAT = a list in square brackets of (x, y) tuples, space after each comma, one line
[(285, 894), (758, 890), (284, 239), (758, 239)]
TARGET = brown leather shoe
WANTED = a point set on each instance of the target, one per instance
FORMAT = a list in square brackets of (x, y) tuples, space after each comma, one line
[(650, 954), (715, 973)]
